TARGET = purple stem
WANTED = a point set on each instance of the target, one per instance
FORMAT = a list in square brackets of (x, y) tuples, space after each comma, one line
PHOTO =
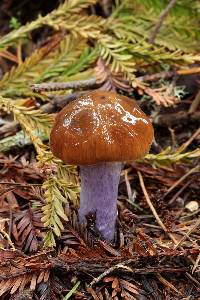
[(99, 190)]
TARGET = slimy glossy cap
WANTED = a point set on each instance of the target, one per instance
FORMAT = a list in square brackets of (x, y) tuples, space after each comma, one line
[(101, 127)]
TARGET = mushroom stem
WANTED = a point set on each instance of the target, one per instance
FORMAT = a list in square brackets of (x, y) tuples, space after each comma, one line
[(99, 190)]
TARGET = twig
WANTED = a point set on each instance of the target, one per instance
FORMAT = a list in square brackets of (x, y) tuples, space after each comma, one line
[(153, 209), (168, 284), (8, 127), (72, 291), (8, 239), (28, 185), (196, 282), (189, 141), (196, 225), (176, 118), (147, 270), (195, 103), (180, 191), (60, 101), (161, 19), (110, 270), (57, 86), (196, 262), (169, 74), (189, 71), (193, 170), (157, 76), (106, 7)]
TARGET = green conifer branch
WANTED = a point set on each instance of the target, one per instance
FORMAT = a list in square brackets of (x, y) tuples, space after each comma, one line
[(59, 15), (43, 65), (137, 18), (115, 53), (68, 54), (60, 188), (16, 81), (86, 59), (85, 26), (167, 157), (30, 120)]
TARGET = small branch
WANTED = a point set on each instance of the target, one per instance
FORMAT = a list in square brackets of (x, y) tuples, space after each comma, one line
[(191, 171), (195, 226), (168, 284), (60, 101), (180, 191), (190, 140), (57, 86), (169, 74), (196, 264), (153, 209), (161, 19), (147, 270), (195, 103), (92, 82), (8, 127), (8, 238), (157, 76), (21, 185), (194, 280), (110, 270), (176, 118)]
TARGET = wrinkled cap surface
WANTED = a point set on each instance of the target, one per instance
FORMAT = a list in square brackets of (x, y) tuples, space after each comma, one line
[(101, 127)]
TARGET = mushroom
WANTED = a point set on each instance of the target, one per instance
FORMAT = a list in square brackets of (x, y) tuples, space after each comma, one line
[(99, 131)]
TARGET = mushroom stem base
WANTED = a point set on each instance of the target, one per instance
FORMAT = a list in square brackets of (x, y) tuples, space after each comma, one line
[(99, 190)]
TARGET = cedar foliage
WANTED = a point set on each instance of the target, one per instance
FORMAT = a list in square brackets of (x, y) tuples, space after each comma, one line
[(81, 45)]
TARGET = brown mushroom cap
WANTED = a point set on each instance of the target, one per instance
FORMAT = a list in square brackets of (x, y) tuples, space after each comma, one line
[(101, 127)]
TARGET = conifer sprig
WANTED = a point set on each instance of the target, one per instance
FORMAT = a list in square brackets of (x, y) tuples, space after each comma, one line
[(60, 188), (30, 120), (52, 19)]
